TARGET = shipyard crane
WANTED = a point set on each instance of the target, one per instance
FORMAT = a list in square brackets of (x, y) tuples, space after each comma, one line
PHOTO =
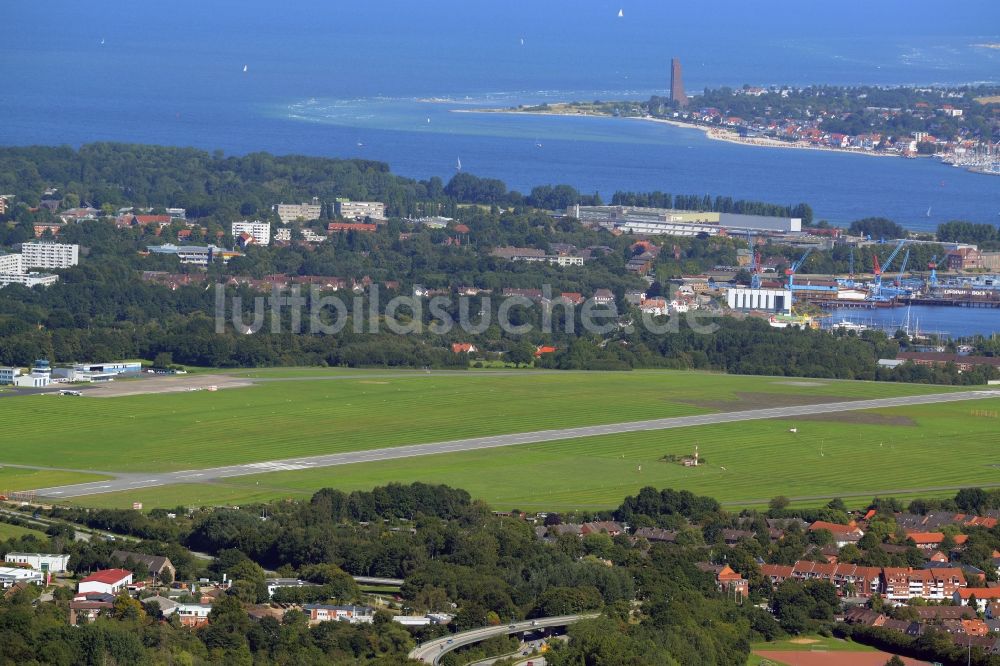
[(876, 287), (849, 280), (902, 268), (792, 270), (754, 262), (876, 291), (932, 264)]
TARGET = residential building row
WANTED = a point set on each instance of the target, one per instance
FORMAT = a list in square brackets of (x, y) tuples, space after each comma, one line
[(896, 584)]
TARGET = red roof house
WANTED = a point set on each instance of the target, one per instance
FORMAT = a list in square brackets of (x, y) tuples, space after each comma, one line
[(106, 581)]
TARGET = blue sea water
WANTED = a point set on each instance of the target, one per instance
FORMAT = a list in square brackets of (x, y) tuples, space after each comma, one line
[(945, 321), (382, 79)]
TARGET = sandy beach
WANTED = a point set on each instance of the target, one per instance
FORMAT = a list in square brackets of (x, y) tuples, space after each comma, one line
[(732, 136), (714, 133)]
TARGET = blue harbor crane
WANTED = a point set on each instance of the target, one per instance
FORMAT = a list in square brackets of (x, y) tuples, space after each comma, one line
[(933, 280), (876, 290), (902, 267), (792, 270)]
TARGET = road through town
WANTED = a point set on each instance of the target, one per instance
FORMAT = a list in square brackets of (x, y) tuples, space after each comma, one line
[(133, 481)]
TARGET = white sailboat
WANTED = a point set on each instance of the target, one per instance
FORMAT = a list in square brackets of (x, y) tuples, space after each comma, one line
[(245, 67), (458, 166), (928, 211), (621, 13), (102, 41)]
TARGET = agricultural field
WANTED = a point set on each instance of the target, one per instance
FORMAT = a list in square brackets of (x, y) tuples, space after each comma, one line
[(927, 451), (297, 413)]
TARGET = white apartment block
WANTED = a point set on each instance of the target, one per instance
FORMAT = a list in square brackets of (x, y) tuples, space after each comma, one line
[(49, 255), (8, 375), (303, 211), (261, 231), (359, 210), (11, 263)]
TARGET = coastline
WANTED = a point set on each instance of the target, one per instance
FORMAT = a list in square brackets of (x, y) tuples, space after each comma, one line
[(731, 136), (713, 133)]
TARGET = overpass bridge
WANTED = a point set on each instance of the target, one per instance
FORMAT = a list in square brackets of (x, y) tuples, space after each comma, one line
[(432, 651)]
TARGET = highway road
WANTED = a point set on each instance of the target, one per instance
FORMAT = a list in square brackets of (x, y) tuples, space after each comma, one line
[(135, 481), (432, 651)]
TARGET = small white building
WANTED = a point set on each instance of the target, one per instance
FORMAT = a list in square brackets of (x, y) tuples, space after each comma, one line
[(274, 584), (49, 562), (8, 375), (28, 279), (106, 581), (352, 614), (422, 620), (193, 615), (39, 377), (12, 575)]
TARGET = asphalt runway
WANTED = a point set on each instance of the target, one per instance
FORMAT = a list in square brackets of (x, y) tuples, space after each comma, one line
[(134, 481)]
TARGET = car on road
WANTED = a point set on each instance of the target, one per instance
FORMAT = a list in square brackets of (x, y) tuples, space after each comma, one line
[(513, 626)]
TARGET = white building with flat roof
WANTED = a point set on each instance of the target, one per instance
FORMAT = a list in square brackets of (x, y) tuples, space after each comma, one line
[(98, 372), (52, 563), (198, 255), (28, 279), (39, 377), (49, 255), (303, 211), (746, 299), (261, 231), (11, 575), (359, 210), (8, 375)]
